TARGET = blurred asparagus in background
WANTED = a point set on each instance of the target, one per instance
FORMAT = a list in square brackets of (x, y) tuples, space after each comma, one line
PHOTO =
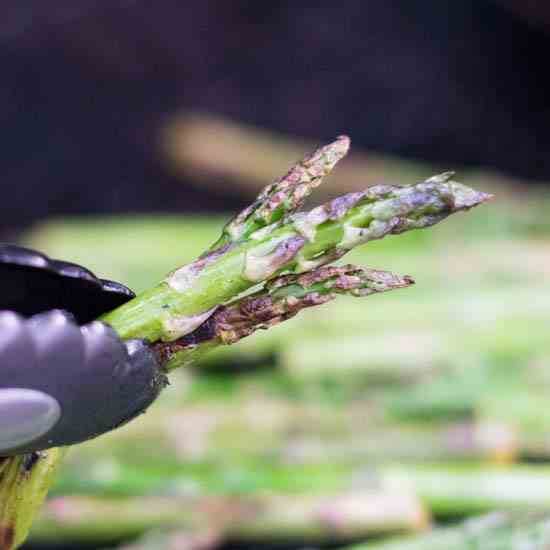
[(209, 149), (308, 503), (271, 416), (495, 531), (163, 539), (319, 518), (447, 490)]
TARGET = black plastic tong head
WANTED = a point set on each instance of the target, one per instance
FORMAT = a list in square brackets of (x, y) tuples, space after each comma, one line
[(32, 283), (62, 384)]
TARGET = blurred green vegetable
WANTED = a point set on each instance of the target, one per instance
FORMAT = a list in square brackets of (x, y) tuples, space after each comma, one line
[(492, 532), (317, 518)]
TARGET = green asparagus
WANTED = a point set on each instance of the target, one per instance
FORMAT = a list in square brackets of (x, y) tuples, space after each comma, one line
[(317, 518), (264, 242)]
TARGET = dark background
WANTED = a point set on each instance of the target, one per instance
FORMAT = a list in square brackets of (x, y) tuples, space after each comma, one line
[(87, 85)]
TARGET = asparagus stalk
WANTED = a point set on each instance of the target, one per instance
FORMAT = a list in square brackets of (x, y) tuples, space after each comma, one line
[(446, 490), (24, 483), (292, 432), (454, 443), (84, 519), (297, 243), (459, 491), (391, 360), (496, 530), (260, 244), (316, 518), (177, 539), (280, 299)]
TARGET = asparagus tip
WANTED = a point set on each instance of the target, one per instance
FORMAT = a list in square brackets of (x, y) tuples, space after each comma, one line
[(286, 295), (465, 197), (461, 196), (287, 194), (333, 152)]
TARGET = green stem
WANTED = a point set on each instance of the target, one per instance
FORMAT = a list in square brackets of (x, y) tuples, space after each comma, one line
[(497, 530), (269, 517), (298, 243), (279, 300), (24, 482)]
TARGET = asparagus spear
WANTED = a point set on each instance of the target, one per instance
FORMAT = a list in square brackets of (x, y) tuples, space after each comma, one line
[(495, 531), (287, 194), (292, 431), (383, 358), (296, 243), (177, 539), (316, 518), (280, 299), (458, 491), (490, 532), (251, 254), (24, 483), (446, 490)]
